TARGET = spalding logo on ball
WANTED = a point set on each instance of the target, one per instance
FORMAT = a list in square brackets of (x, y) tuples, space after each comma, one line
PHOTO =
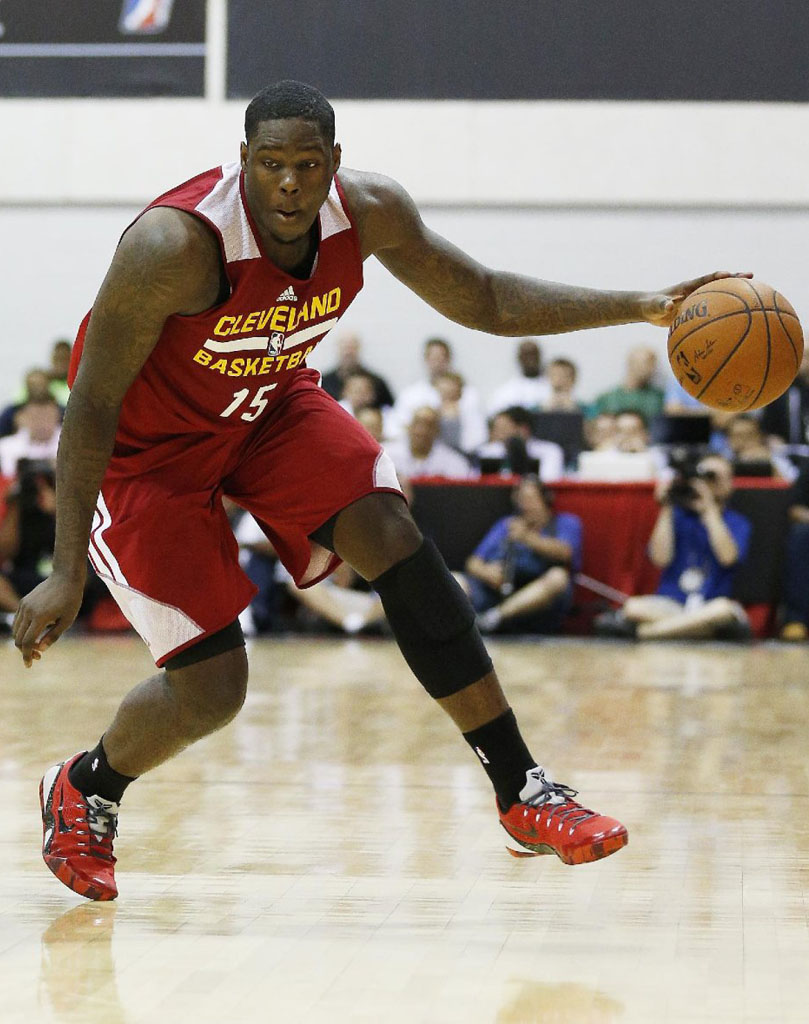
[(735, 344)]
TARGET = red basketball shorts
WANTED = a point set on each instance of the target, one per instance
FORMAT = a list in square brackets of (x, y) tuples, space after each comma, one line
[(161, 539)]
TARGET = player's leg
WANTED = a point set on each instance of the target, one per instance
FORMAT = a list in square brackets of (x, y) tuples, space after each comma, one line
[(198, 692), (434, 625)]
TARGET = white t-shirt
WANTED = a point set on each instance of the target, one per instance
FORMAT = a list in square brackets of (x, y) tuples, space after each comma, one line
[(21, 446), (528, 392), (441, 461), (473, 422)]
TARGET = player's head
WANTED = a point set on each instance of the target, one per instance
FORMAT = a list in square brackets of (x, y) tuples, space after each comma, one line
[(289, 157)]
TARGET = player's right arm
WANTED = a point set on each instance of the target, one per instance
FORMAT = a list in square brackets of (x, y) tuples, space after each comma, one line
[(168, 262)]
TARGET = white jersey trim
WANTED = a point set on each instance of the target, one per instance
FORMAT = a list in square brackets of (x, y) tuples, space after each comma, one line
[(224, 209), (333, 218)]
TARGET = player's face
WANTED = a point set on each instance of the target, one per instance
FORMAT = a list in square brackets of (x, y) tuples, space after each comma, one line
[(288, 169)]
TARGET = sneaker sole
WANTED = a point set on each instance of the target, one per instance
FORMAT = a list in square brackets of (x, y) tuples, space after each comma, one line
[(580, 855), (58, 865)]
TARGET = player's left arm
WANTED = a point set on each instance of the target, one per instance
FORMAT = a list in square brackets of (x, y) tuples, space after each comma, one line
[(489, 300)]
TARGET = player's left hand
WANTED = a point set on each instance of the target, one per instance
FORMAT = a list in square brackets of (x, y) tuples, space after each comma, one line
[(660, 308)]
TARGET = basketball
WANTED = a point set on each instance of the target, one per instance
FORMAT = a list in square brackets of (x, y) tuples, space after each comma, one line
[(735, 344)]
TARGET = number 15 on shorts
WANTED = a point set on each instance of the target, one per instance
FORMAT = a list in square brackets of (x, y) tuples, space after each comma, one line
[(258, 404)]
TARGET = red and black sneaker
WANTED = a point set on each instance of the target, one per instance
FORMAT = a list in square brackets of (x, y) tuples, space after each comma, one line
[(78, 831), (548, 820)]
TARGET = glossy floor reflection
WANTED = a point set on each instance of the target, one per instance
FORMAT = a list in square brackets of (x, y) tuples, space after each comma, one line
[(333, 855)]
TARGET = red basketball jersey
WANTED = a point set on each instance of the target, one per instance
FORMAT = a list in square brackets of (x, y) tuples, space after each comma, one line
[(221, 369)]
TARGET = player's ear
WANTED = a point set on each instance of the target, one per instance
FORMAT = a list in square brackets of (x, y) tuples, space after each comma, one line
[(243, 155), (336, 154)]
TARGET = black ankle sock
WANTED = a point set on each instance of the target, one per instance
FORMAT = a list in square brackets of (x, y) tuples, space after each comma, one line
[(92, 776), (504, 756)]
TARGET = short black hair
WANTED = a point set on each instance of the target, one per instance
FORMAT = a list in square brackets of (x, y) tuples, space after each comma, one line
[(290, 99), (519, 415)]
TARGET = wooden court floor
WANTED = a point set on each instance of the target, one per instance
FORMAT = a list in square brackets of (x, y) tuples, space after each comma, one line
[(333, 855)]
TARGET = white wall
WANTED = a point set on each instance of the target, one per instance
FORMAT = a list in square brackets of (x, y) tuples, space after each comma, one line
[(88, 151), (606, 194), (52, 260)]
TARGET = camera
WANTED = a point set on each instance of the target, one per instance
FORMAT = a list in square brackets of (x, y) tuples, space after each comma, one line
[(682, 491), (30, 474)]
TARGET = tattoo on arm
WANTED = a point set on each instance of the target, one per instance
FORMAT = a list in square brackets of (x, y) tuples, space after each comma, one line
[(472, 294)]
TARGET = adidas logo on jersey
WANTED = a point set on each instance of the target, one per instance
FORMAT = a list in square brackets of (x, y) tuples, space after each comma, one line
[(287, 295)]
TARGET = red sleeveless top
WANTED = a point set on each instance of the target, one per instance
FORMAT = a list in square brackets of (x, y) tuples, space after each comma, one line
[(220, 370)]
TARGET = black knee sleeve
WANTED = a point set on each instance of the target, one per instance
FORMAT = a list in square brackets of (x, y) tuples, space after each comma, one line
[(433, 622)]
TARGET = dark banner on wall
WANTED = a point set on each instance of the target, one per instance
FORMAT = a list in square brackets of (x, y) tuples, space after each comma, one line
[(102, 47), (524, 49)]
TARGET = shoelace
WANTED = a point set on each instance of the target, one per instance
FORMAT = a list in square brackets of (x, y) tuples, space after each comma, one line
[(557, 798), (102, 821)]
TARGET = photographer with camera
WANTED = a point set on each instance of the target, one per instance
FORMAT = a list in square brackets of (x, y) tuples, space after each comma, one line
[(519, 576), (28, 530), (698, 543)]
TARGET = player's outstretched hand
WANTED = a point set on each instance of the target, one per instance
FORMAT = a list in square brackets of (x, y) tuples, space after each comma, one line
[(660, 308), (44, 614)]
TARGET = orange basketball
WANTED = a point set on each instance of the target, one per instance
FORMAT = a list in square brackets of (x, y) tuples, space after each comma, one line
[(735, 344)]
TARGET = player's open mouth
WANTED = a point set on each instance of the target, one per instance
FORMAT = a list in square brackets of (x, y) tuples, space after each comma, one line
[(288, 214)]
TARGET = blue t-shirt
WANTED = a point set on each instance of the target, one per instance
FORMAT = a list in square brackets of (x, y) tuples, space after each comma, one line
[(692, 551), (529, 564)]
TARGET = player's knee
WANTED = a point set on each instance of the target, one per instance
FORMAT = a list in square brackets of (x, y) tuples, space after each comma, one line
[(210, 693), (399, 537), (376, 533)]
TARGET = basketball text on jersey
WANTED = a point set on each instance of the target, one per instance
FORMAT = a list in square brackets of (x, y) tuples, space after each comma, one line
[(283, 322)]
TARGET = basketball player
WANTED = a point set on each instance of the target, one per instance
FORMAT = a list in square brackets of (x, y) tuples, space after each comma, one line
[(189, 381)]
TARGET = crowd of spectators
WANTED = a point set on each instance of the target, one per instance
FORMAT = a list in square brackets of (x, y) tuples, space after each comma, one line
[(534, 428)]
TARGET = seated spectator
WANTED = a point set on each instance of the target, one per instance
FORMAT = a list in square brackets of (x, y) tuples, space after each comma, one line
[(599, 433), (35, 389), (562, 375), (39, 424), (751, 453), (359, 393), (796, 567), (60, 365), (462, 425), (437, 361), (348, 362), (678, 402), (520, 575), (699, 544), (334, 600), (512, 450), (529, 389), (787, 417), (372, 419), (637, 393), (28, 530), (628, 455), (421, 453)]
